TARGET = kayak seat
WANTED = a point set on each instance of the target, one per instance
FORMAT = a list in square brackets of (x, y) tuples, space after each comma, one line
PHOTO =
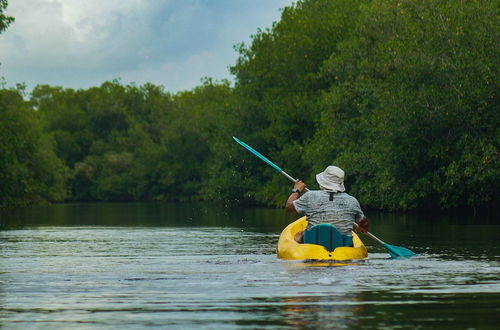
[(327, 236)]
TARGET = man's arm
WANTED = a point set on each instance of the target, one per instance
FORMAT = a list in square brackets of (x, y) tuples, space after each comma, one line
[(363, 225), (300, 187)]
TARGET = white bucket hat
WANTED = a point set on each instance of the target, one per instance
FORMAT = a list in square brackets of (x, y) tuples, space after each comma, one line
[(331, 179)]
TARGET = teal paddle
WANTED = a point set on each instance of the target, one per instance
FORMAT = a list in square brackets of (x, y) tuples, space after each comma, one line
[(394, 251), (267, 161)]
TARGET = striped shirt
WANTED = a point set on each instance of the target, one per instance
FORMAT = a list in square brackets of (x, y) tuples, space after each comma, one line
[(341, 212)]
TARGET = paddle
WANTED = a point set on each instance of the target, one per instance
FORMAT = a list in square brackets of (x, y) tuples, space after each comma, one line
[(394, 251), (267, 161)]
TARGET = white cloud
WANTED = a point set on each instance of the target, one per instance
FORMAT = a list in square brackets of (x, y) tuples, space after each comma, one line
[(82, 43), (79, 34)]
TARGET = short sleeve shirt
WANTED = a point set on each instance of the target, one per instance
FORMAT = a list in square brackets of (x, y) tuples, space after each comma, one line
[(341, 212)]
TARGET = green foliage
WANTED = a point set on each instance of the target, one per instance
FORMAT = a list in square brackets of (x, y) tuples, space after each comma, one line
[(416, 85), (403, 95), (278, 84), (110, 136), (30, 172), (5, 20), (125, 143)]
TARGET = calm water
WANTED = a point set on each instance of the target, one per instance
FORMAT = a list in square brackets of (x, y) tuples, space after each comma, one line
[(135, 266)]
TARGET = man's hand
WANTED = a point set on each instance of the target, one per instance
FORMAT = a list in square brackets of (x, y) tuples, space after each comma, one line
[(363, 225), (300, 186)]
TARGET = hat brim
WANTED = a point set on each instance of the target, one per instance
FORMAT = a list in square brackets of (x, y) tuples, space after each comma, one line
[(329, 185)]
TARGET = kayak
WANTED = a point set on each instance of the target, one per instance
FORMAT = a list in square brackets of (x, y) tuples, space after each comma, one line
[(289, 249)]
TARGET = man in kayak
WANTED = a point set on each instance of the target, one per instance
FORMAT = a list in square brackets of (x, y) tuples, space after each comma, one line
[(330, 205)]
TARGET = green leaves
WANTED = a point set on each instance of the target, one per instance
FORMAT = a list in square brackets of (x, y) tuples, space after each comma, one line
[(5, 20), (30, 172), (132, 142), (406, 90), (403, 95)]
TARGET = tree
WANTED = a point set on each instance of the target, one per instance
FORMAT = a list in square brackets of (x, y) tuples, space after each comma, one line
[(413, 103), (30, 172), (5, 20)]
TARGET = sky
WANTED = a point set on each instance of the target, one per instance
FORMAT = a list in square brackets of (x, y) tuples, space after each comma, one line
[(173, 43)]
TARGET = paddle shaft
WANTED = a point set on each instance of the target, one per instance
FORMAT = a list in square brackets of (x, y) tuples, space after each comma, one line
[(286, 175), (371, 235), (265, 160)]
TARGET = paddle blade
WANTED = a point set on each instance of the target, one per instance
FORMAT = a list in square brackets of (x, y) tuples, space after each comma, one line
[(397, 251)]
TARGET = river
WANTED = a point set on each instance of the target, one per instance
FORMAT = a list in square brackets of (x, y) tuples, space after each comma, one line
[(185, 266)]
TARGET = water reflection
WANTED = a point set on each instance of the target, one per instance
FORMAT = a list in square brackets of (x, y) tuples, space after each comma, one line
[(146, 215)]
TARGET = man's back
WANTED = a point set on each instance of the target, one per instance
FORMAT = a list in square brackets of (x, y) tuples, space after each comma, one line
[(339, 209)]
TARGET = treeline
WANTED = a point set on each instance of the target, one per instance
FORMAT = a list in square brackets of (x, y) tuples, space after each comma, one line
[(403, 95)]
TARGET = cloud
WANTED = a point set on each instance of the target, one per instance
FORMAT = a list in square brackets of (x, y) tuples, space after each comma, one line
[(79, 34), (173, 43)]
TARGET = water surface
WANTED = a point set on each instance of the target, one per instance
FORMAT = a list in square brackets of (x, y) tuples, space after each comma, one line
[(129, 266)]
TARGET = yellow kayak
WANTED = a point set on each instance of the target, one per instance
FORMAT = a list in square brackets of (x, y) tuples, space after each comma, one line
[(289, 249)]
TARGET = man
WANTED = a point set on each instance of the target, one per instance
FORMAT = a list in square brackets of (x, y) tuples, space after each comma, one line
[(329, 205)]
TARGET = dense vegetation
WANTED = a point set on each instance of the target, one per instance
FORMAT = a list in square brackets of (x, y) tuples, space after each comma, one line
[(401, 94)]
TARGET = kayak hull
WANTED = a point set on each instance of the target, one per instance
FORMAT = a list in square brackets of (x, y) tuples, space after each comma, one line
[(289, 249)]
